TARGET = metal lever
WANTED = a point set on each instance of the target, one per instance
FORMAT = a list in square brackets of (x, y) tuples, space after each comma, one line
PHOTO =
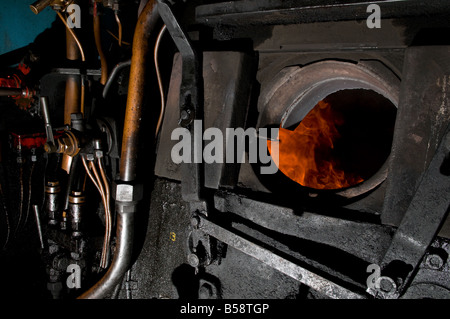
[(50, 146), (40, 5), (272, 259), (421, 223), (190, 96), (5, 91), (38, 224), (190, 82)]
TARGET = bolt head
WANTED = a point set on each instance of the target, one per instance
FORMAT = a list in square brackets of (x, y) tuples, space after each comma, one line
[(195, 221), (184, 115), (98, 154), (205, 292), (435, 261), (193, 260), (387, 285), (128, 192)]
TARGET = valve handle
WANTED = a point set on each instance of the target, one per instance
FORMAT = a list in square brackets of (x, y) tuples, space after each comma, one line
[(50, 146)]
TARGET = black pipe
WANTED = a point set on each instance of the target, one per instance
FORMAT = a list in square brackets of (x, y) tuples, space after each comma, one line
[(117, 69), (10, 91)]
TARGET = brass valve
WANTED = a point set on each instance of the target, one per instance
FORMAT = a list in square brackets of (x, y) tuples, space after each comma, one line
[(67, 144), (40, 5)]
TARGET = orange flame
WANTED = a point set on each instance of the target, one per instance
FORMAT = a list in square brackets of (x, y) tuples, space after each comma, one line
[(306, 154)]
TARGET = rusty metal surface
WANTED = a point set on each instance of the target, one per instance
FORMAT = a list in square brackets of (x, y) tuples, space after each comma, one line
[(364, 240), (227, 79), (283, 265), (190, 103), (288, 12), (133, 115), (421, 122), (424, 216)]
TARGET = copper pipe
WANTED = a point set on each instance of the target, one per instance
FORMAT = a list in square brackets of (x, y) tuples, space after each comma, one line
[(107, 199), (71, 55), (120, 262), (95, 180), (72, 49), (106, 241), (98, 44), (158, 75), (72, 97), (119, 26), (73, 101), (82, 97), (117, 38), (133, 115), (107, 191), (88, 171)]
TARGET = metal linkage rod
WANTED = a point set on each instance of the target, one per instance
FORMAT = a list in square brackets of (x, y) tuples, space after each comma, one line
[(279, 263)]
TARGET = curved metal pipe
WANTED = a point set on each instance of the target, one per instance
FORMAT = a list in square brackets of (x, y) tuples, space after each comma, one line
[(125, 217), (133, 115), (120, 263), (113, 75), (98, 44)]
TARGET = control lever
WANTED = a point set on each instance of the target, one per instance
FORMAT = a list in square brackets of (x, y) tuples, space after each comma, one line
[(190, 99), (68, 144), (50, 146)]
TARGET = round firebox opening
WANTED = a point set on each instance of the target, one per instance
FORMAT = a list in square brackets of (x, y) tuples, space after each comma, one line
[(336, 122), (343, 141)]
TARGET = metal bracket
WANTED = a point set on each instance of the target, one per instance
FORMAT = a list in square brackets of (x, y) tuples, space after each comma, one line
[(421, 222), (190, 82), (201, 248), (190, 105)]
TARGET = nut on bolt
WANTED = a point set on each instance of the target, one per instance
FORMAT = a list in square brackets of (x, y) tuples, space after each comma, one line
[(193, 260), (205, 291), (195, 222), (123, 192), (127, 196), (98, 153), (387, 285), (184, 115), (434, 261)]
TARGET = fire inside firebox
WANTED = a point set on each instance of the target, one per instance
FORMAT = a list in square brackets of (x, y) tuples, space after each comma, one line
[(341, 142)]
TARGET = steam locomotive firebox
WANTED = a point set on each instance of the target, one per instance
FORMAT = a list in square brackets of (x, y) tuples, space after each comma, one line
[(267, 150)]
